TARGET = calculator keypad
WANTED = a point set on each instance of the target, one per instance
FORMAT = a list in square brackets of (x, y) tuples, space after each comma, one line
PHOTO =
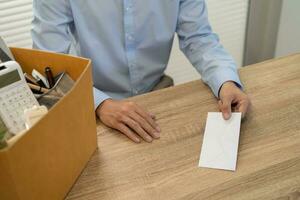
[(13, 103)]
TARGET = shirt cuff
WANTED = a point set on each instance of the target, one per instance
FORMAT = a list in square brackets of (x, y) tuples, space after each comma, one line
[(99, 97), (219, 78)]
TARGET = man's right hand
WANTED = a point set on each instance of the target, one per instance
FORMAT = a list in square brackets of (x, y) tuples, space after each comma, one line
[(129, 118)]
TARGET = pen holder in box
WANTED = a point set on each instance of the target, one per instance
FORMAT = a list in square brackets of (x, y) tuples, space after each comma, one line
[(44, 162), (63, 85)]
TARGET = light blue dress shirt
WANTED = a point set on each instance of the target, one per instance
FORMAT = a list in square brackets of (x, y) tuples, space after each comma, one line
[(129, 41)]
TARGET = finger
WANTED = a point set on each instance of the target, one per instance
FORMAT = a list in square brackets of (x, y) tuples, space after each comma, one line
[(243, 108), (220, 104), (152, 116), (226, 107), (235, 106), (126, 131), (144, 124), (137, 128), (235, 109), (226, 116), (147, 117)]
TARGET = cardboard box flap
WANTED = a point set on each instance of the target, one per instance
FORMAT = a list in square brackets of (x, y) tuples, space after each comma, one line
[(58, 62)]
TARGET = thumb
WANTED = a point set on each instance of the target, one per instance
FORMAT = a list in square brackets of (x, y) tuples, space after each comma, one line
[(225, 107)]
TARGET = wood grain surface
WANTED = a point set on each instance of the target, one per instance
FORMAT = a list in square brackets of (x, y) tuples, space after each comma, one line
[(269, 152)]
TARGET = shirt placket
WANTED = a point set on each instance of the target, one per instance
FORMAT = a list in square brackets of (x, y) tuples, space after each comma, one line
[(130, 44)]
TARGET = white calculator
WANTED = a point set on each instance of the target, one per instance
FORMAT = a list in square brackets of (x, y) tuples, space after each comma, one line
[(15, 96)]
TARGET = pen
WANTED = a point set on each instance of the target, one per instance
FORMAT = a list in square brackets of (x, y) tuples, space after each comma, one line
[(30, 79), (38, 88), (49, 76)]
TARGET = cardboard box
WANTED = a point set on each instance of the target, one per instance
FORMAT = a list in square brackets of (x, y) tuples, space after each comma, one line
[(45, 162)]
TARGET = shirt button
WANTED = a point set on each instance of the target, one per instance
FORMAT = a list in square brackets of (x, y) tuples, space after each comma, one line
[(135, 92), (128, 8), (130, 37)]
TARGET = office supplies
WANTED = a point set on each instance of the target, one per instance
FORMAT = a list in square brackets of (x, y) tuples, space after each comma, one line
[(37, 88), (33, 115), (15, 96), (30, 79), (49, 76), (63, 84), (6, 51), (42, 81), (220, 141)]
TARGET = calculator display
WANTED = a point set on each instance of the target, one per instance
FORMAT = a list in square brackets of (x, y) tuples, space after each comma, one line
[(9, 78)]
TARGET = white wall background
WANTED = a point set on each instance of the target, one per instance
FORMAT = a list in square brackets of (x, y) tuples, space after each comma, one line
[(228, 19), (288, 39)]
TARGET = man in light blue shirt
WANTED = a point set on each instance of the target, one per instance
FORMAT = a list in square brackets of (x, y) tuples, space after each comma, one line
[(129, 42)]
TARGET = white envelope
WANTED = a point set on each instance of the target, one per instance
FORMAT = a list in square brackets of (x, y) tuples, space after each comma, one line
[(220, 141)]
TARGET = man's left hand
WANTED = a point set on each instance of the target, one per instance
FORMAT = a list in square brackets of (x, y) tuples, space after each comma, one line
[(233, 99)]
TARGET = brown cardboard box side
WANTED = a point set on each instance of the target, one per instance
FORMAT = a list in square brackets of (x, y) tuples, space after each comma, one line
[(45, 162)]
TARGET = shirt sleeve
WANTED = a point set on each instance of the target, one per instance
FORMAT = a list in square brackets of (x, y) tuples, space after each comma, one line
[(99, 97), (51, 31), (202, 47)]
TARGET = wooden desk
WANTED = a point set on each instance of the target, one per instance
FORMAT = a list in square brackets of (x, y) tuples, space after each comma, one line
[(269, 152)]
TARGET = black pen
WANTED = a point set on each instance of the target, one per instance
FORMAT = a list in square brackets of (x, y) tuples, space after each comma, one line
[(49, 76)]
